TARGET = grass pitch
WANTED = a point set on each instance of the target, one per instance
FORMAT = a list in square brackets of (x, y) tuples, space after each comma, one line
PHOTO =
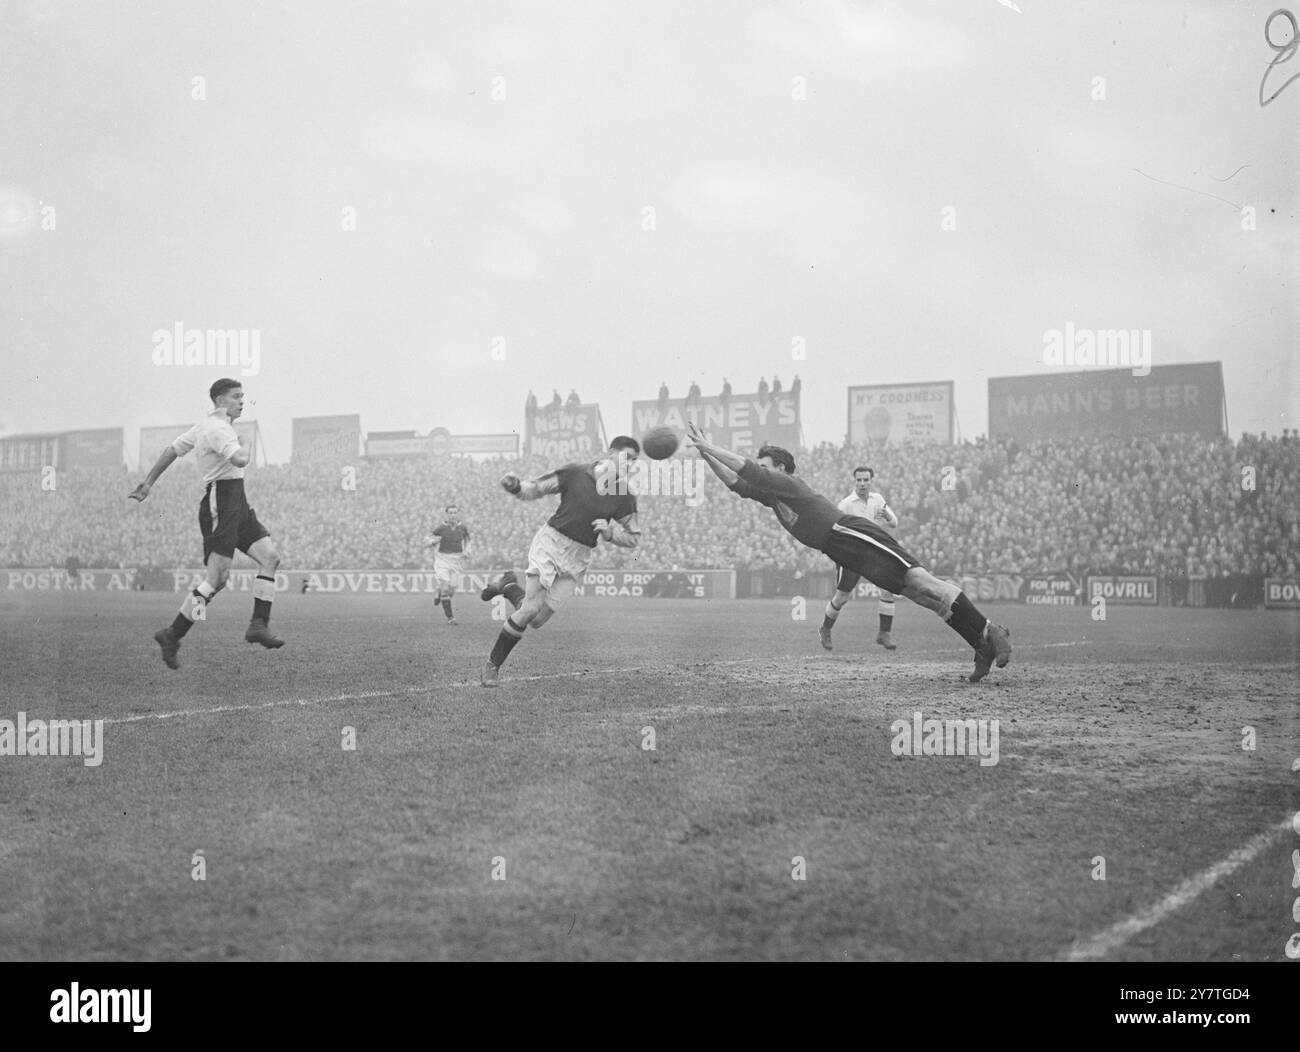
[(1120, 739)]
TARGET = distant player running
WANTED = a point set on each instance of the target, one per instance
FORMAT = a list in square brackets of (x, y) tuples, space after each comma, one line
[(225, 519), (594, 504), (854, 543), (451, 537), (865, 503)]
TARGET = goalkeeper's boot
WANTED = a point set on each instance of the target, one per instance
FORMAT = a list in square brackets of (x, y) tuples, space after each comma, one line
[(995, 647), (490, 674), (824, 633), (166, 639), (1000, 638), (886, 640), (259, 632)]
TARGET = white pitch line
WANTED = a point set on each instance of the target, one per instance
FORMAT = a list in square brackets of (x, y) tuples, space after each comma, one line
[(365, 695), (1118, 934), (217, 709)]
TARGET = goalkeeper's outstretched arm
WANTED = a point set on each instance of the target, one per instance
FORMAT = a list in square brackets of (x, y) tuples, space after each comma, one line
[(723, 462)]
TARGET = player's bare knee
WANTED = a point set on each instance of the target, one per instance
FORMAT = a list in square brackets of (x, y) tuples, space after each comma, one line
[(938, 595), (528, 610)]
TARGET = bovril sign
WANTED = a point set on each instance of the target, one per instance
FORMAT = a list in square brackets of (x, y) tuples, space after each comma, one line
[(1136, 590), (1282, 593)]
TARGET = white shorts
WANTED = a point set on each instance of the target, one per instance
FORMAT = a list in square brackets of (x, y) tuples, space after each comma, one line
[(558, 563), (447, 567)]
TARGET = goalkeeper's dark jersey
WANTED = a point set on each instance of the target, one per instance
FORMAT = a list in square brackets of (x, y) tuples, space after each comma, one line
[(807, 515), (580, 502)]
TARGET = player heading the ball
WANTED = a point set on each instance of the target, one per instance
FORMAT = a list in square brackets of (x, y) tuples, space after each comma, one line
[(563, 547)]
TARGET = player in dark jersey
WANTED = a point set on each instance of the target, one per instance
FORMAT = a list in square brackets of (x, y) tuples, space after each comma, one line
[(452, 539), (594, 504), (855, 543)]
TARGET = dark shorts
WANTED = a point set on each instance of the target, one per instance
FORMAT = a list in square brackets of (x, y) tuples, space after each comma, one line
[(862, 549), (846, 580), (227, 521)]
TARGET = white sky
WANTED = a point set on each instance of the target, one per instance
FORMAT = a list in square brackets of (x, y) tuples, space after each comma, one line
[(522, 217)]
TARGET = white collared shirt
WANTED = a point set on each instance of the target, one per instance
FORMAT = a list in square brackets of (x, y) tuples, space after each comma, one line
[(214, 440), (873, 509)]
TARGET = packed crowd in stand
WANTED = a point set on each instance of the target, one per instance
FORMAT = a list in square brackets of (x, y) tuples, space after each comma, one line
[(1172, 505)]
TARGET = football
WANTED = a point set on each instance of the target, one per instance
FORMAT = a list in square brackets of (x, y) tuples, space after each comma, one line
[(659, 442)]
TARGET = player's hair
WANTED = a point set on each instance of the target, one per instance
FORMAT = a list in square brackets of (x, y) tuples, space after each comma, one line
[(450, 506), (869, 471), (778, 455), (626, 442), (222, 386)]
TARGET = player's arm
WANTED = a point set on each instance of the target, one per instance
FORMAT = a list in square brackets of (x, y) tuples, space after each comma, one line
[(181, 445), (621, 532), (235, 450), (721, 467), (165, 460), (723, 463), (531, 489), (887, 513), (752, 481), (434, 539), (714, 455), (765, 485)]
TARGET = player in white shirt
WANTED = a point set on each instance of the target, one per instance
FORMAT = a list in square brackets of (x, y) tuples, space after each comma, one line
[(870, 505), (226, 520)]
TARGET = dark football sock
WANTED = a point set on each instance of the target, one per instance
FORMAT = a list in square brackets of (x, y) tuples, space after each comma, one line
[(886, 622), (967, 622), (446, 608), (197, 604), (510, 635), (263, 590)]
